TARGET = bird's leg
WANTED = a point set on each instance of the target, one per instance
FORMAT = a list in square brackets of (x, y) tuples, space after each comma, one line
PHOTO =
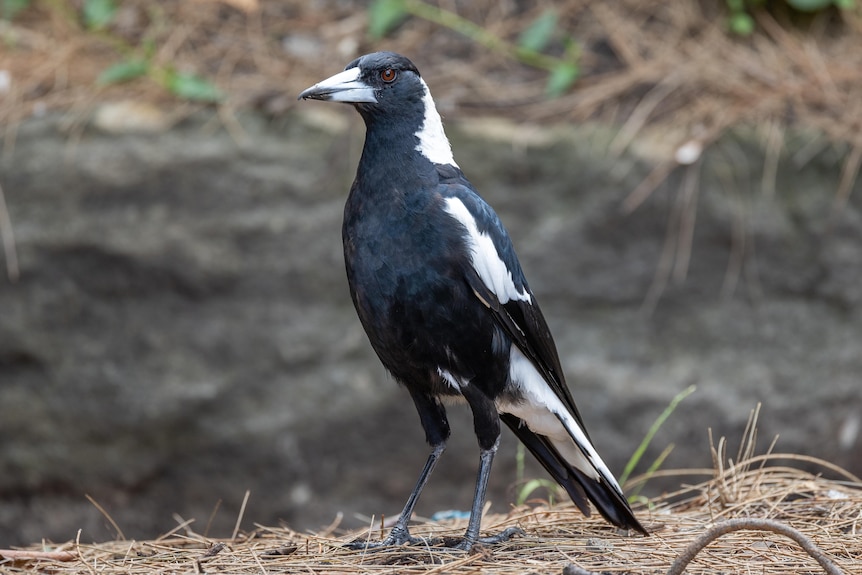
[(400, 533), (433, 417), (486, 422), (471, 536)]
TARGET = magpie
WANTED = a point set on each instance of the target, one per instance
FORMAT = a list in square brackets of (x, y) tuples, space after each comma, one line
[(439, 290)]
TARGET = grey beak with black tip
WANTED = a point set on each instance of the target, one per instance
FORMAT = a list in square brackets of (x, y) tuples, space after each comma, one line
[(342, 87)]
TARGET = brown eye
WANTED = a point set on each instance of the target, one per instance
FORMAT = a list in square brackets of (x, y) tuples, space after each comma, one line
[(388, 75)]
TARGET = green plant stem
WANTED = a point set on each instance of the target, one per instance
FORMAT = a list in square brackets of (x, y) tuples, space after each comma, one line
[(519, 462), (638, 454), (650, 470), (480, 35)]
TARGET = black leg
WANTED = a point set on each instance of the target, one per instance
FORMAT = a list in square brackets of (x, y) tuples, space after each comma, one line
[(471, 536), (400, 532), (433, 417), (486, 422)]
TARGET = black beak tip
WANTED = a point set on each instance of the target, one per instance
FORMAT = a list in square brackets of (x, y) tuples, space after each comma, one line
[(308, 94)]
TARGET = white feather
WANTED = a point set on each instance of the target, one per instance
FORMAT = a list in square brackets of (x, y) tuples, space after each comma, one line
[(486, 261), (545, 414), (449, 378), (433, 143)]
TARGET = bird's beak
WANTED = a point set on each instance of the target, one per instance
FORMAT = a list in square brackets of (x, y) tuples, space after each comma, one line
[(343, 87)]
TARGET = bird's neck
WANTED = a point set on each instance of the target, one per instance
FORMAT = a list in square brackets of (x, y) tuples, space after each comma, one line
[(415, 135), (433, 143), (390, 161)]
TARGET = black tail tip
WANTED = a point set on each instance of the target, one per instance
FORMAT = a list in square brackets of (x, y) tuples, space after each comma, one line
[(624, 519)]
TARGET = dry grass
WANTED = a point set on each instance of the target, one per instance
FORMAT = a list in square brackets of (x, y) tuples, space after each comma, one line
[(826, 511), (668, 74), (644, 62)]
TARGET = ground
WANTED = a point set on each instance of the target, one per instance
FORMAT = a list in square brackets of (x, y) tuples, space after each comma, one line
[(773, 519)]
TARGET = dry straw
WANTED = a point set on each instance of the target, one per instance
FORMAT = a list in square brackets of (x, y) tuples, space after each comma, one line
[(672, 65), (792, 521)]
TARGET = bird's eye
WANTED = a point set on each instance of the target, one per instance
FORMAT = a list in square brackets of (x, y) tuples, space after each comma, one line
[(388, 75)]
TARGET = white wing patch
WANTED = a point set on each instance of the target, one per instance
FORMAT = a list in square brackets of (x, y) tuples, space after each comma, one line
[(486, 261), (433, 143), (545, 414)]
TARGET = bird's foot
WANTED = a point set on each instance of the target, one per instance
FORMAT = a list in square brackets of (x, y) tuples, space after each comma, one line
[(397, 536), (466, 543), (401, 536)]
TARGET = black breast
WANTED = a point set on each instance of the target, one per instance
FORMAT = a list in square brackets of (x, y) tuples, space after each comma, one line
[(406, 259)]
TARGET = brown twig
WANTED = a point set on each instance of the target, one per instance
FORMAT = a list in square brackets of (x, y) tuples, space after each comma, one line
[(240, 515), (27, 555), (752, 524), (8, 238), (729, 526)]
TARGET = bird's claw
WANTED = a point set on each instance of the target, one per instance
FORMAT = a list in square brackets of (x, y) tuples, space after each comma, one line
[(466, 544), (503, 536), (397, 536)]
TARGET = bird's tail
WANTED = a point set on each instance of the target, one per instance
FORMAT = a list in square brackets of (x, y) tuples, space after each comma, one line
[(604, 494)]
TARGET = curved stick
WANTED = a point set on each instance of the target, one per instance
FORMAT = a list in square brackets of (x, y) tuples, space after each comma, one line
[(730, 525), (725, 527)]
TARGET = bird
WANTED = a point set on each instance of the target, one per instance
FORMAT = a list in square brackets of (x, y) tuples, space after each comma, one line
[(441, 295)]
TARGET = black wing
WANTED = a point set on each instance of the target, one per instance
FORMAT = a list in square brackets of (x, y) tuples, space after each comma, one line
[(521, 318)]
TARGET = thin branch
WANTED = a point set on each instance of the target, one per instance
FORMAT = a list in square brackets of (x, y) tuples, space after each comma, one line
[(241, 514), (729, 526), (8, 237), (752, 524), (107, 516)]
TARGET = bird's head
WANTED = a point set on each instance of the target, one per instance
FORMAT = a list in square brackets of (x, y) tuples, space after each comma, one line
[(378, 81), (389, 93)]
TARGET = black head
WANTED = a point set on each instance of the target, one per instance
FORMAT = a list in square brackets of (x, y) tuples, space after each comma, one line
[(394, 101), (381, 81)]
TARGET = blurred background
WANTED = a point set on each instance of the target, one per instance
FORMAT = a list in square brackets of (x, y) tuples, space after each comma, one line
[(680, 180)]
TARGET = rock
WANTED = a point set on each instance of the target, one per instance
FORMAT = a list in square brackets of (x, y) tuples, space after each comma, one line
[(181, 329), (131, 117)]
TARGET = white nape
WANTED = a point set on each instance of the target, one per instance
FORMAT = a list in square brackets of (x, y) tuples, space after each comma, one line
[(433, 143), (486, 261)]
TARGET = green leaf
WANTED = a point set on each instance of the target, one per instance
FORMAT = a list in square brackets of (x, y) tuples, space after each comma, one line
[(809, 5), (384, 16), (845, 4), (193, 87), (10, 8), (123, 72), (573, 50), (99, 13), (537, 35), (741, 24), (561, 79), (531, 486)]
